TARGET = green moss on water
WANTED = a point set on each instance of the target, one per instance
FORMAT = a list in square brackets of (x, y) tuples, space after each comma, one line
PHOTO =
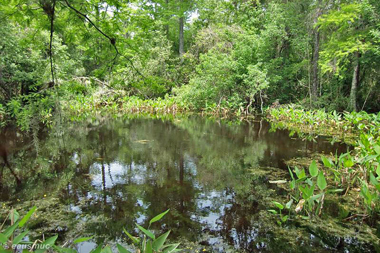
[(50, 218)]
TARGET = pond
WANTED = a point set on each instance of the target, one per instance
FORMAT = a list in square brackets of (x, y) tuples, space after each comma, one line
[(98, 176)]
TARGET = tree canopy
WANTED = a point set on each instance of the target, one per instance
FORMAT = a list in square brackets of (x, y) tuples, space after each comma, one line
[(241, 55)]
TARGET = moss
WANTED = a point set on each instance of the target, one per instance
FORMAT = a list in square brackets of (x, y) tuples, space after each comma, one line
[(51, 217)]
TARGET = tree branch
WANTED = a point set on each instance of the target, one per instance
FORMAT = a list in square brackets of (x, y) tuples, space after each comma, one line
[(112, 40)]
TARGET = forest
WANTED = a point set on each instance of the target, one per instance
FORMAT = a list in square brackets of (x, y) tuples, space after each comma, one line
[(267, 109)]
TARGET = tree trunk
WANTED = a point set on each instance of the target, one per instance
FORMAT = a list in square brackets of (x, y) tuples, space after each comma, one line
[(315, 67), (181, 37), (51, 16), (355, 84), (315, 70)]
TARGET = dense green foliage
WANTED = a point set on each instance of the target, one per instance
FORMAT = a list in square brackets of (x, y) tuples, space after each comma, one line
[(210, 55)]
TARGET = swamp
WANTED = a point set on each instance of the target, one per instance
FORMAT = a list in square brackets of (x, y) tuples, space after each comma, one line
[(166, 126)]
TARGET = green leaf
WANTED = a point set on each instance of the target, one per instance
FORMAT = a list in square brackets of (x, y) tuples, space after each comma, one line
[(311, 190), (364, 140), (291, 173), (3, 238), (316, 197), (300, 173), (309, 182), (321, 181), (63, 250), (369, 158), (134, 239), (107, 249), (16, 215), (18, 238), (278, 205), (377, 149), (97, 250), (159, 242), (122, 249), (307, 191), (147, 232), (289, 204), (292, 184), (313, 169), (273, 211), (27, 216), (335, 191), (158, 217), (83, 239), (50, 241), (9, 231), (348, 162), (149, 247), (374, 181), (170, 248)]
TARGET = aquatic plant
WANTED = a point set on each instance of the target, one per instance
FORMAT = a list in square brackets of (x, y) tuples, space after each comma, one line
[(309, 190), (102, 101), (346, 126), (149, 242), (15, 237), (354, 169), (282, 218)]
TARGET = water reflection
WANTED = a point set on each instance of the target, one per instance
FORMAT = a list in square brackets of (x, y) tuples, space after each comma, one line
[(114, 173)]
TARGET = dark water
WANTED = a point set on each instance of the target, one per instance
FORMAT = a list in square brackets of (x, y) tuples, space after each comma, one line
[(104, 175)]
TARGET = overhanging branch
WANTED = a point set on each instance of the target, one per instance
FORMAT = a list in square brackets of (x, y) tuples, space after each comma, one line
[(112, 40)]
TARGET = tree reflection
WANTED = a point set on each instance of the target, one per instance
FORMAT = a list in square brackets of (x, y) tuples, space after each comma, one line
[(118, 172)]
